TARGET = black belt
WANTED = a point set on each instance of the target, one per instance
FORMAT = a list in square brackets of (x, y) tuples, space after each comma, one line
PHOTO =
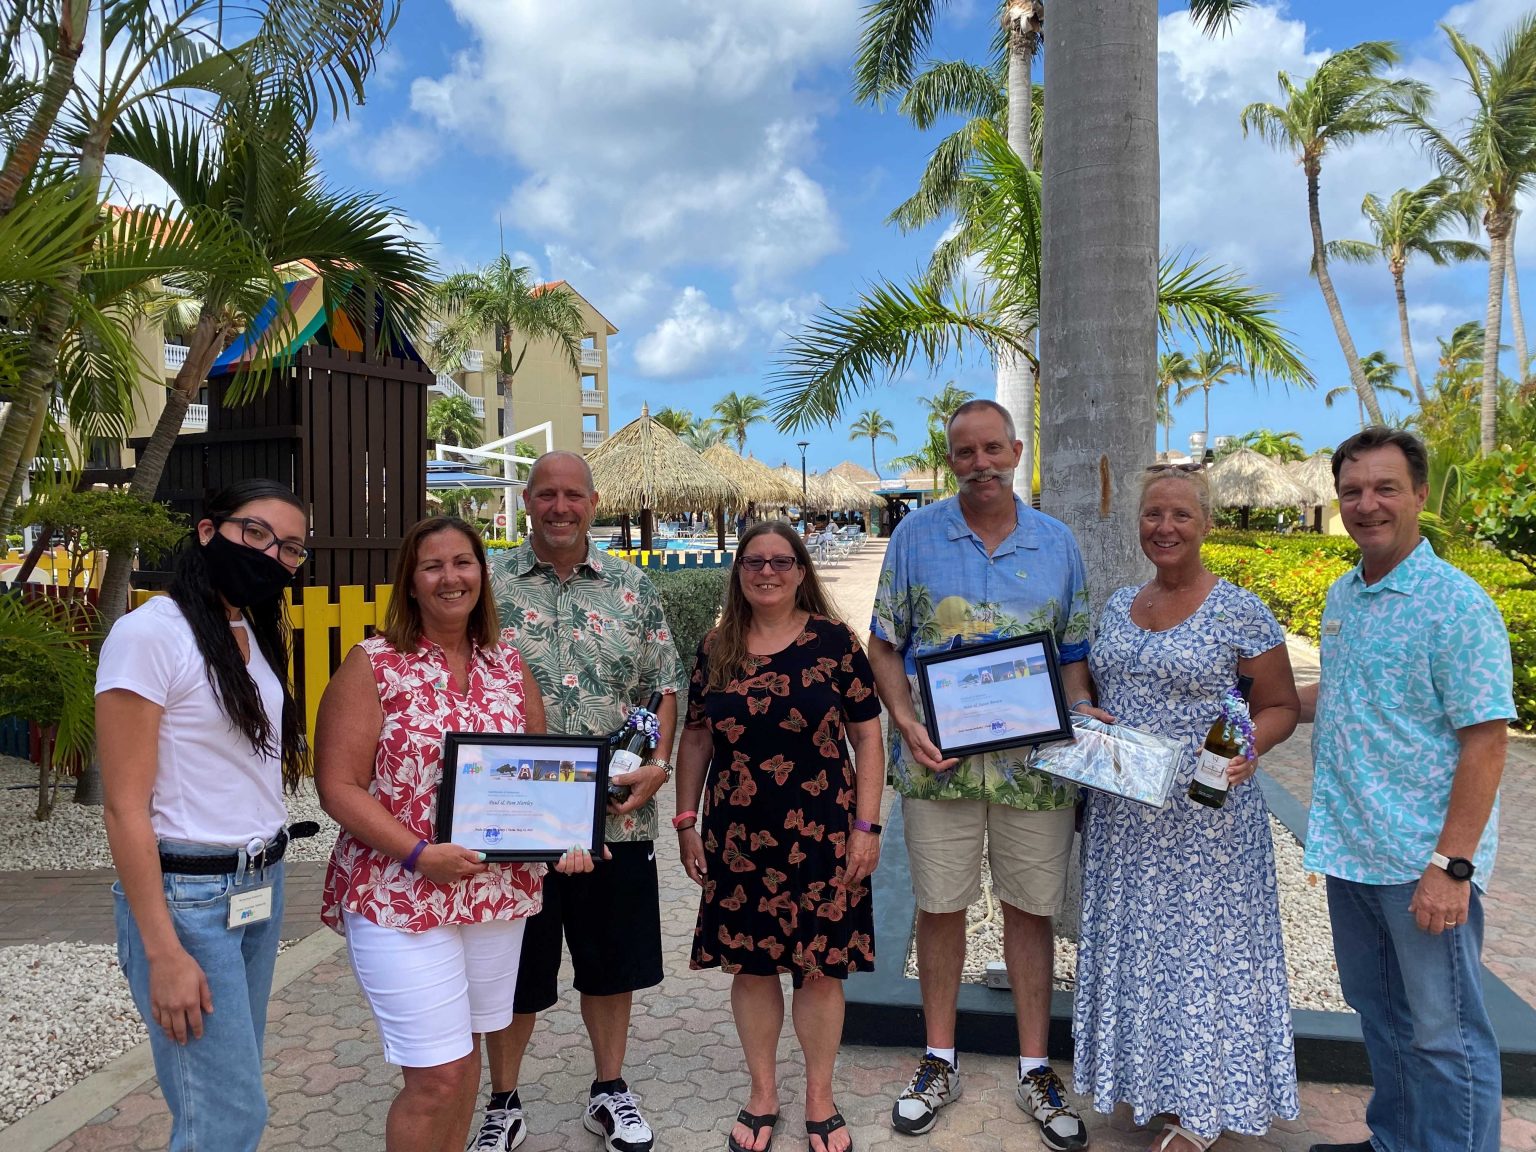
[(218, 865)]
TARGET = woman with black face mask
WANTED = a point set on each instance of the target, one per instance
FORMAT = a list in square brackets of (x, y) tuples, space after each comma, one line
[(198, 733)]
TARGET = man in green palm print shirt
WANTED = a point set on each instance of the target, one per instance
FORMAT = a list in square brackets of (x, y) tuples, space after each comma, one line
[(590, 627), (979, 567)]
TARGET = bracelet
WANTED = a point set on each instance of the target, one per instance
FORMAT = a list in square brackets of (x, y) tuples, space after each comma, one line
[(664, 765), (1074, 705), (867, 826), (678, 821), (410, 861)]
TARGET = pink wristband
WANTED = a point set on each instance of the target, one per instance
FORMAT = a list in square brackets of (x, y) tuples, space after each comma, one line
[(410, 861), (677, 821)]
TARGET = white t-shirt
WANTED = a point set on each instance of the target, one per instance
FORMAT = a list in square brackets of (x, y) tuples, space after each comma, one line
[(211, 785)]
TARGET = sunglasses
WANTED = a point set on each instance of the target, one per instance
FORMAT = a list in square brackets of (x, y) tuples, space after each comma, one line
[(778, 563), (1175, 467)]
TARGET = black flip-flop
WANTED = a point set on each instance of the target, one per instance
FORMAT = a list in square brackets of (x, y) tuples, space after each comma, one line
[(824, 1129), (757, 1124)]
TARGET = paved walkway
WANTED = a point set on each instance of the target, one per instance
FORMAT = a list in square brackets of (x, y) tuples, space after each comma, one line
[(330, 1087)]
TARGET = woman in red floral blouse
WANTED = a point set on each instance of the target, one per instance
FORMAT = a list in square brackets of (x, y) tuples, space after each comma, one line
[(786, 838), (433, 932)]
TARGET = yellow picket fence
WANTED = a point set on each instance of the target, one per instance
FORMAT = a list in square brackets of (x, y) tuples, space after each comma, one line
[(315, 617)]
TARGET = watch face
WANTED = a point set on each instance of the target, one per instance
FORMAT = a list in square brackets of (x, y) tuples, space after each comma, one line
[(1460, 868)]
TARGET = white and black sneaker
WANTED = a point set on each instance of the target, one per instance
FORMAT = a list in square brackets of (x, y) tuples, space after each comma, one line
[(935, 1083), (614, 1115), (1043, 1095), (502, 1130)]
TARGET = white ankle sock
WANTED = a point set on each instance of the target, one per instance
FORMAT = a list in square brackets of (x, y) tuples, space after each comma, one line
[(1028, 1064), (947, 1054)]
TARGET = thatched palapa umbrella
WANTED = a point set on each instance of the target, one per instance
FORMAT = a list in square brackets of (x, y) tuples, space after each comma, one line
[(757, 482), (1247, 479), (851, 495), (1314, 476), (644, 469)]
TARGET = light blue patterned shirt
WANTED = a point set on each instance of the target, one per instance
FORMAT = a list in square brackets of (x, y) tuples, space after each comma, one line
[(939, 586), (1406, 662)]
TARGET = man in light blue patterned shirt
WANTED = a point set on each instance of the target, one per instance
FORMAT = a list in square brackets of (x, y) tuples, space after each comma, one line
[(1411, 716), (981, 566)]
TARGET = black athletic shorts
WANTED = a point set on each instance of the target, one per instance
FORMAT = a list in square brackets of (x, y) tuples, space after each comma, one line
[(610, 919)]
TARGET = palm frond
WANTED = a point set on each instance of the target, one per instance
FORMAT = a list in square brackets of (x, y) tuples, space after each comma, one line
[(1214, 306), (954, 88), (1352, 252), (893, 35), (1213, 16)]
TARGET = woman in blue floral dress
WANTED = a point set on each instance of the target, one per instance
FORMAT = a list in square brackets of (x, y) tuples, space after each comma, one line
[(1182, 1006)]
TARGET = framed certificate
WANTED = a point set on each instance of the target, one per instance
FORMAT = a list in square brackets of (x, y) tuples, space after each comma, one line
[(1001, 694), (522, 797)]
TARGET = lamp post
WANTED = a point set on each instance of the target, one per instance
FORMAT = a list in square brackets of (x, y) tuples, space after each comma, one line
[(805, 521)]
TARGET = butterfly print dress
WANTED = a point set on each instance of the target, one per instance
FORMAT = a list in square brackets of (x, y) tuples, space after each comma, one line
[(778, 808)]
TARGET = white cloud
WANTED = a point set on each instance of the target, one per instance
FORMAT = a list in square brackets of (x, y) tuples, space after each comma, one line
[(671, 133), (694, 337)]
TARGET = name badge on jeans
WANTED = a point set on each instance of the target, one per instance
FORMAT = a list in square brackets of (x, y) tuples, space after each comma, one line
[(250, 907)]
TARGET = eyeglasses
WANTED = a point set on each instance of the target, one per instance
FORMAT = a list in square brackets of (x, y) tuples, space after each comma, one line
[(1175, 467), (258, 534), (779, 563)]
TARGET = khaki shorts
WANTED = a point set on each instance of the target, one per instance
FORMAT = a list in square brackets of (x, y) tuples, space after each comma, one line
[(1028, 852)]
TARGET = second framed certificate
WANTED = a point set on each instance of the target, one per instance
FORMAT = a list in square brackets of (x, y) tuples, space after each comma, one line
[(522, 797), (1002, 694)]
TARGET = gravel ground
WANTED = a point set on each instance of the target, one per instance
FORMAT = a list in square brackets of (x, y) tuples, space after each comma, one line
[(1303, 915), (74, 836)]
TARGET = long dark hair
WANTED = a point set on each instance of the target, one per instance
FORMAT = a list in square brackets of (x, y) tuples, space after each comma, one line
[(728, 642), (402, 619), (193, 591)]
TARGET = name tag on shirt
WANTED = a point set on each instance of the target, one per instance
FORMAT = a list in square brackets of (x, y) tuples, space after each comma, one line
[(1331, 627), (250, 907)]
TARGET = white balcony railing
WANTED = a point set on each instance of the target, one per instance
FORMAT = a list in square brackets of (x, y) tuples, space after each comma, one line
[(175, 357), (474, 360), (195, 418), (591, 398), (593, 439), (447, 386), (591, 357)]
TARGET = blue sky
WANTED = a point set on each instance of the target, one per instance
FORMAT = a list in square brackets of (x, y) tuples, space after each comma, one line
[(699, 172)]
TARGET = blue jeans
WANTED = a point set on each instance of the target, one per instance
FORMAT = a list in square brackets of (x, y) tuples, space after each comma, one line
[(212, 1085), (1434, 1058)]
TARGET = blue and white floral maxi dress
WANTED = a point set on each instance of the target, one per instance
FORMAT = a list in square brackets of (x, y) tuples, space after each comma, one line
[(1182, 1004)]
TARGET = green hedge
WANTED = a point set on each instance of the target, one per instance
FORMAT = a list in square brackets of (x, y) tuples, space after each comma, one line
[(1291, 574), (691, 598)]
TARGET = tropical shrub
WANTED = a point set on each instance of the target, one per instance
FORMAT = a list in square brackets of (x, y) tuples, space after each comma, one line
[(1500, 501), (691, 598)]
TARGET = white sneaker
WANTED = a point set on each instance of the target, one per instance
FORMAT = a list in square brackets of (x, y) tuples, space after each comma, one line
[(1043, 1095), (935, 1083), (615, 1116), (502, 1130)]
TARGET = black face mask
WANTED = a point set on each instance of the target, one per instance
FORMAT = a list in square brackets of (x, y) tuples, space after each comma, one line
[(242, 575)]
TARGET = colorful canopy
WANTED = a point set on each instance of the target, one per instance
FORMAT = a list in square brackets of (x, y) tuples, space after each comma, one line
[(278, 331)]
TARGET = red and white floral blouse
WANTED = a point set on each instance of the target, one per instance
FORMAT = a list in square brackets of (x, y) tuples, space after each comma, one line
[(420, 706)]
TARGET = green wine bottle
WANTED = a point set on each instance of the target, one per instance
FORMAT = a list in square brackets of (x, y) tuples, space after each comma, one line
[(1222, 743)]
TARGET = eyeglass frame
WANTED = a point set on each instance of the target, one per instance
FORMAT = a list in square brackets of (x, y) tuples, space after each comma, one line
[(746, 562), (245, 523)]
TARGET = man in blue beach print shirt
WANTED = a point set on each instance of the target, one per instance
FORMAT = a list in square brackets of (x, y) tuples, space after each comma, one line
[(1411, 717), (981, 566)]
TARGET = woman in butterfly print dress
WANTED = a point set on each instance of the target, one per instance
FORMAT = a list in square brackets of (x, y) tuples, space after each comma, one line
[(779, 690)]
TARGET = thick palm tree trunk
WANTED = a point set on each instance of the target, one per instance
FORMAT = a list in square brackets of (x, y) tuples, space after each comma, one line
[(1496, 224), (1331, 298), (1015, 374), (73, 18), (1402, 322), (1098, 308), (1516, 317)]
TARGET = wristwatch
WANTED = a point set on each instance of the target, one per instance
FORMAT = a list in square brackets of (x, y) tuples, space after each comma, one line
[(867, 826), (1456, 867), (664, 765)]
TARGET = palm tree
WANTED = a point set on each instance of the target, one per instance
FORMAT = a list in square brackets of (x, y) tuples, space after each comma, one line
[(870, 423), (943, 404), (1173, 370), (734, 414), (1382, 374), (1408, 224), (257, 180), (933, 457), (1280, 445), (501, 298), (450, 420), (703, 434), (1345, 99), (1208, 369), (1493, 159), (677, 420)]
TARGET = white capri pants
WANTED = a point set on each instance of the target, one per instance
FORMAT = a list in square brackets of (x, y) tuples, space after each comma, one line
[(431, 991)]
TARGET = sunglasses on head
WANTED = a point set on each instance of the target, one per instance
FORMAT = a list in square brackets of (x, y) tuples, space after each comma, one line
[(1175, 467), (779, 563)]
